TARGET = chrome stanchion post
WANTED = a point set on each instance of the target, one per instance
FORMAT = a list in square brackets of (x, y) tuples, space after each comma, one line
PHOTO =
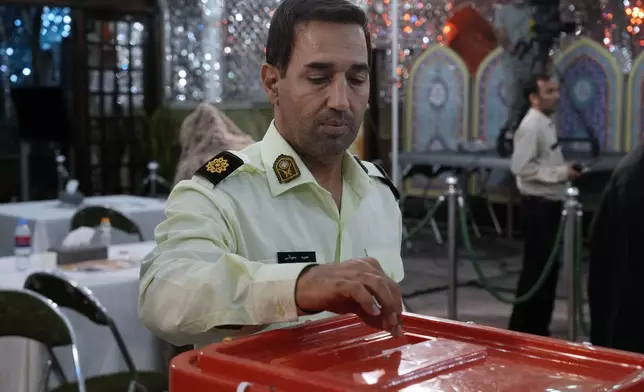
[(152, 180), (25, 152), (153, 167), (452, 195), (571, 207), (63, 175), (579, 299)]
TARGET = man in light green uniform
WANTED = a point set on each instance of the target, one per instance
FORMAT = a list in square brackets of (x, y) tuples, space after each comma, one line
[(292, 228)]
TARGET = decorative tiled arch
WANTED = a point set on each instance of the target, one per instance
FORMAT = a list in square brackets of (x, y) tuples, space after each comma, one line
[(490, 110), (436, 105), (592, 81), (491, 100)]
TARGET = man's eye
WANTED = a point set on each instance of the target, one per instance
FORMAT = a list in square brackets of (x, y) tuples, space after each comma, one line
[(357, 81), (318, 79)]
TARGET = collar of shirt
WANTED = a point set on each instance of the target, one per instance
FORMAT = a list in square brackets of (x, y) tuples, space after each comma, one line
[(540, 117), (273, 146)]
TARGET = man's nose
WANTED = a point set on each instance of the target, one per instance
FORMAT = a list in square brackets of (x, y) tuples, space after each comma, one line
[(339, 95)]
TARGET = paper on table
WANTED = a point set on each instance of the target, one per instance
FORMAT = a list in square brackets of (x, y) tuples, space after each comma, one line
[(79, 237), (96, 266)]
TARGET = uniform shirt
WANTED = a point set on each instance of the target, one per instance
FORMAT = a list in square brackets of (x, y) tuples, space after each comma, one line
[(216, 259), (537, 160)]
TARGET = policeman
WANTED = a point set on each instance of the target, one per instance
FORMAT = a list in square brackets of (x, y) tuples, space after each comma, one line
[(541, 175), (292, 228)]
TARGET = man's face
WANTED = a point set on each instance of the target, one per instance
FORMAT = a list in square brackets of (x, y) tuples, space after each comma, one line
[(321, 100), (548, 96)]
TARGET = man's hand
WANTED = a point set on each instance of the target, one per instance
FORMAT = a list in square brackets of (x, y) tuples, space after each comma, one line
[(355, 286), (575, 170)]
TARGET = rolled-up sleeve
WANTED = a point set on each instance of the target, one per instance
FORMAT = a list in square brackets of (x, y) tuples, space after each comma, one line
[(193, 283), (524, 162)]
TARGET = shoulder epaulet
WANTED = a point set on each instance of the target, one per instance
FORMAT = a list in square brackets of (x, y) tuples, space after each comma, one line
[(219, 167), (375, 170)]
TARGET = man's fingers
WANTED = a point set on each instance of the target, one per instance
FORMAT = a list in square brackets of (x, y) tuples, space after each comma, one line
[(390, 304), (375, 264), (397, 295), (375, 297), (357, 292), (385, 290), (394, 319)]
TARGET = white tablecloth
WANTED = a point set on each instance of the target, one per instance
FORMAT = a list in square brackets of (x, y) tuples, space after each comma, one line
[(21, 361), (49, 220)]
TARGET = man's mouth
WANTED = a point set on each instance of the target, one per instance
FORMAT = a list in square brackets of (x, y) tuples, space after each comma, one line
[(335, 124)]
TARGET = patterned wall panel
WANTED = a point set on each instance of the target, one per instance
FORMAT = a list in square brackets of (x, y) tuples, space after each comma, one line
[(490, 110), (491, 102), (591, 93), (437, 107), (634, 132)]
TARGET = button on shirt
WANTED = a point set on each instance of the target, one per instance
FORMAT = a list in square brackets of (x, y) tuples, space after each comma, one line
[(215, 263), (537, 160)]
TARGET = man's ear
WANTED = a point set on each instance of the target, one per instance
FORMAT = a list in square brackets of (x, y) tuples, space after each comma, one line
[(534, 99), (270, 81)]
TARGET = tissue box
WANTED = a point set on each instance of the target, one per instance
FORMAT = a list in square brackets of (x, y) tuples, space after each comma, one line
[(77, 254)]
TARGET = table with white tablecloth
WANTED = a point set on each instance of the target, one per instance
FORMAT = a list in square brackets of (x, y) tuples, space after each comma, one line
[(50, 220), (21, 361)]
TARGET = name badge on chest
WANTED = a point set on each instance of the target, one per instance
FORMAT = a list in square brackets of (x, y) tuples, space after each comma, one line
[(296, 257)]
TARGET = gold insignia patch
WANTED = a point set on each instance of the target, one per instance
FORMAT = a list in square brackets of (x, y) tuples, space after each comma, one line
[(286, 169), (217, 165)]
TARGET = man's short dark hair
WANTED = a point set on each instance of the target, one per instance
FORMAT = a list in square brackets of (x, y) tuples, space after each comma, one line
[(292, 13), (532, 85)]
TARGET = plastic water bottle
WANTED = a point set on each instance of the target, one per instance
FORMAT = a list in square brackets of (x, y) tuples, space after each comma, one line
[(22, 249), (105, 230)]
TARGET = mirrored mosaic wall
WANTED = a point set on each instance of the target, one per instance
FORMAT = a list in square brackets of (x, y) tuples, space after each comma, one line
[(214, 48)]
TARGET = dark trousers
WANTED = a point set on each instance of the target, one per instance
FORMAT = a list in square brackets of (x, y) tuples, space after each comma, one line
[(540, 220)]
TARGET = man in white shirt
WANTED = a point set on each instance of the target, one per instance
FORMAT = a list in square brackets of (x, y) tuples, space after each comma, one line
[(541, 175)]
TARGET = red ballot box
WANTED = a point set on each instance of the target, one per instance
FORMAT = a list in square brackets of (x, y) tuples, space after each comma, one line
[(341, 354)]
